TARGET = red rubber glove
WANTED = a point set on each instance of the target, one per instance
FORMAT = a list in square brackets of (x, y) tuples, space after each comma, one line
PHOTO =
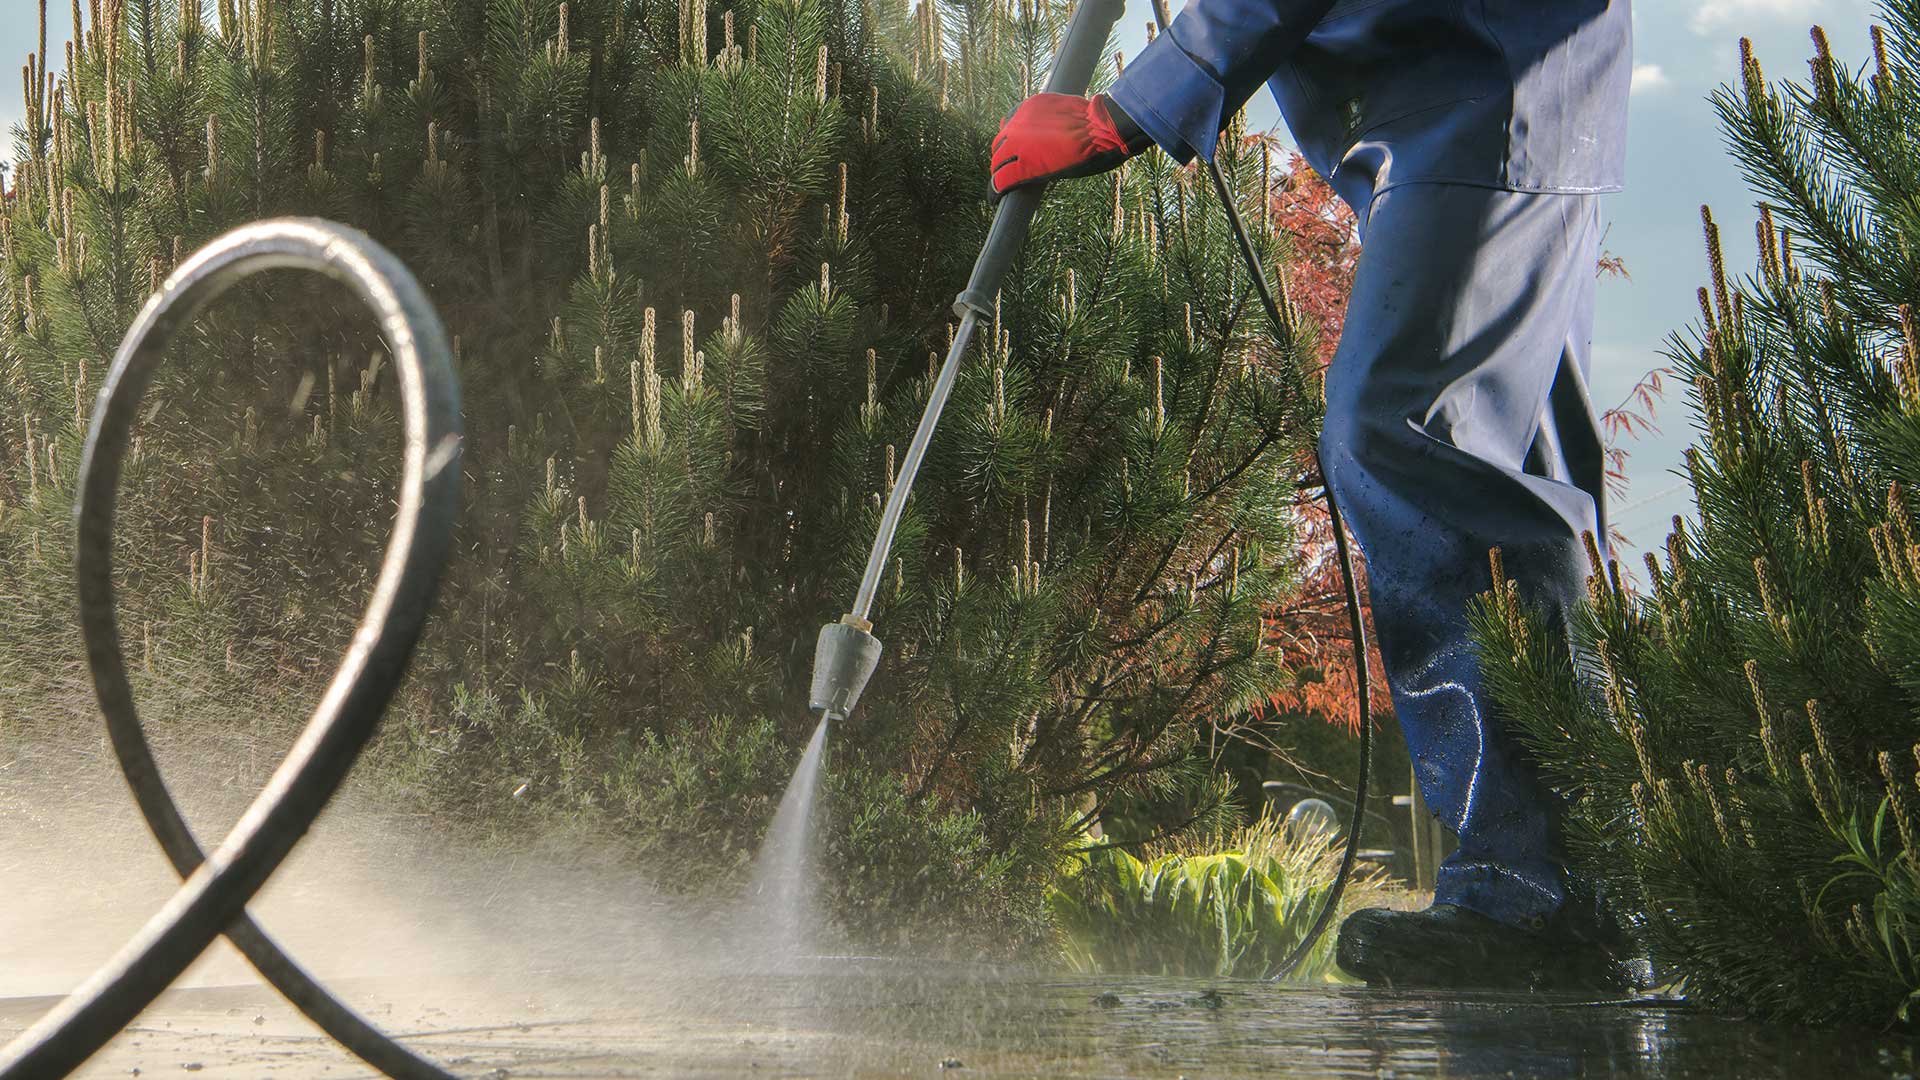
[(1053, 137)]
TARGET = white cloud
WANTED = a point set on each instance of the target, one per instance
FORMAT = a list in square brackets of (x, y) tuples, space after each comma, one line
[(1648, 78), (1712, 15)]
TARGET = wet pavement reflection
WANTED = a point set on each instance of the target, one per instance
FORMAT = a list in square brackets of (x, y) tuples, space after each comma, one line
[(899, 1022), (1167, 1027)]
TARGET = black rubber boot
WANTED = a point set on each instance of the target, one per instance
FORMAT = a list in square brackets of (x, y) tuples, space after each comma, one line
[(1450, 947)]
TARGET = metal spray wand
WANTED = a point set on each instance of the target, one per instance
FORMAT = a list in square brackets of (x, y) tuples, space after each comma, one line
[(846, 653)]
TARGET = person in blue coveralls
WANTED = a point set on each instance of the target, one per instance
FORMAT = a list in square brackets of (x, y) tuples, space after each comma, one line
[(1472, 139)]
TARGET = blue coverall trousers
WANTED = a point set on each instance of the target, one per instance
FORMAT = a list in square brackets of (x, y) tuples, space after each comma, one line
[(1458, 420), (1472, 138)]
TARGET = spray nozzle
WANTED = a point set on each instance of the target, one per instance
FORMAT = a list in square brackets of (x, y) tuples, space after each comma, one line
[(844, 658)]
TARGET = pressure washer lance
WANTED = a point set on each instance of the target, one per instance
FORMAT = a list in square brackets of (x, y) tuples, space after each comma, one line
[(846, 653)]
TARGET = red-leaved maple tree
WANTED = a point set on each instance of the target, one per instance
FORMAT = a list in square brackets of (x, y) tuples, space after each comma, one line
[(1313, 630)]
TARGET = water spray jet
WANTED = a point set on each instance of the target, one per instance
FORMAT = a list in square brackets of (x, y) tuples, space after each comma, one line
[(783, 873)]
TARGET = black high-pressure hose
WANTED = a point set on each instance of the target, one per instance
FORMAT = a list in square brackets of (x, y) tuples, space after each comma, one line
[(213, 898), (1350, 583)]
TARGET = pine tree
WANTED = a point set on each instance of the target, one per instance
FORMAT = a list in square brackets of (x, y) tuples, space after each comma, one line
[(1741, 751), (697, 263)]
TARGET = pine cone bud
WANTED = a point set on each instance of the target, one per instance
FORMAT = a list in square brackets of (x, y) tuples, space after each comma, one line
[(1751, 76), (1637, 736), (1826, 88), (1716, 259), (633, 400), (1616, 693), (1883, 556), (1640, 807), (1769, 597), (1882, 78), (1720, 825), (1897, 518), (1825, 749), (213, 148), (654, 437), (1707, 321), (1766, 241), (840, 214), (1822, 799)]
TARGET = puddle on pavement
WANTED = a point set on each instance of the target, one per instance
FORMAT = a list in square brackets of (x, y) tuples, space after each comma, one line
[(890, 1022)]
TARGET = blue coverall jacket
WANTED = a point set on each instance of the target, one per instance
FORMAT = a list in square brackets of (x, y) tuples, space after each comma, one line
[(1521, 95), (1471, 138)]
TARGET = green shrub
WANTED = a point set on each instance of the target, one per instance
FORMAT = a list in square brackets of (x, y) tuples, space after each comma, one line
[(913, 873), (1738, 742), (1234, 913)]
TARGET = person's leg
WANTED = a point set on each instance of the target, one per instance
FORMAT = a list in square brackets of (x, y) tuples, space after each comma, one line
[(1457, 421)]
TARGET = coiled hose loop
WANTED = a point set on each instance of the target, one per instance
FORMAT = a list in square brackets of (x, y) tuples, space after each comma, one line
[(214, 895)]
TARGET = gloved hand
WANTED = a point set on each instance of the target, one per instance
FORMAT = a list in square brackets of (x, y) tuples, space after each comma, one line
[(1056, 136)]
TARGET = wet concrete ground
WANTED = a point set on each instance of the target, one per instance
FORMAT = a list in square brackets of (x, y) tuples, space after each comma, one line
[(584, 972), (865, 1024)]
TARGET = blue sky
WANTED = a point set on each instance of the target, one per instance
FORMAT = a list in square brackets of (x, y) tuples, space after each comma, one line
[(1676, 162)]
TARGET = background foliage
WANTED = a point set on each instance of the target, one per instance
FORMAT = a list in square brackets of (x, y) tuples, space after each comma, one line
[(698, 263)]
